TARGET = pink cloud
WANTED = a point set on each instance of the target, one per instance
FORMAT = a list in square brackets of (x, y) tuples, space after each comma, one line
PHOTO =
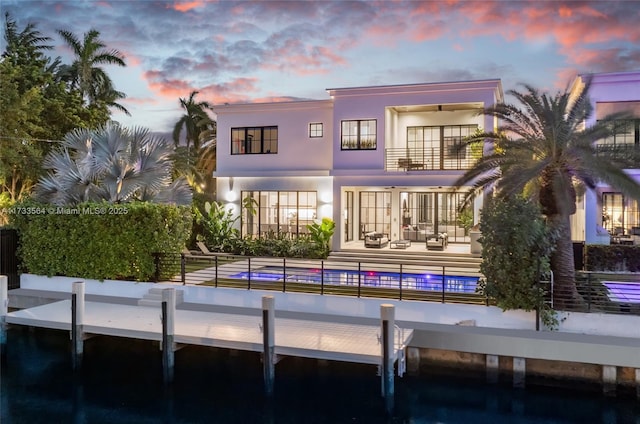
[(170, 88), (186, 6), (139, 100)]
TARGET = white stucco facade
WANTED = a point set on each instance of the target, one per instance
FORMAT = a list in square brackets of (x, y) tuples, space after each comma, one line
[(379, 159), (368, 187), (605, 208)]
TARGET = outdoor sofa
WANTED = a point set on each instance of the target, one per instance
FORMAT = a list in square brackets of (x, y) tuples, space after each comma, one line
[(375, 239)]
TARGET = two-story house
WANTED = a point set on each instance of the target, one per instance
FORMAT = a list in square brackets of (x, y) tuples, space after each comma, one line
[(371, 158), (605, 214)]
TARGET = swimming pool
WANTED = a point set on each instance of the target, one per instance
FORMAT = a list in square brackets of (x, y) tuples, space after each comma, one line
[(426, 281)]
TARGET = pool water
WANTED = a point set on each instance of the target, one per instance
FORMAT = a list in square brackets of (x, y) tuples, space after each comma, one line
[(121, 382), (430, 282)]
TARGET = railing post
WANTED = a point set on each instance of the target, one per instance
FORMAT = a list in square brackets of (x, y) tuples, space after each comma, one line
[(359, 277), (183, 269), (322, 277), (249, 274), (216, 277), (284, 275), (400, 281), (156, 263), (443, 277), (588, 292), (4, 309)]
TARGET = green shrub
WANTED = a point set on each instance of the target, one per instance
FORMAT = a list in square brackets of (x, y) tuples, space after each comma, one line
[(100, 240), (217, 227), (614, 257), (321, 235), (516, 245)]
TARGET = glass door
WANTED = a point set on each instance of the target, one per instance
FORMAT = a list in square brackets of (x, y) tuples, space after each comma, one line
[(348, 217), (375, 212)]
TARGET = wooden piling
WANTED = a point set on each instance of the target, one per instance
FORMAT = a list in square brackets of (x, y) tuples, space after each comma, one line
[(77, 324), (268, 339), (387, 315), (4, 310), (168, 332)]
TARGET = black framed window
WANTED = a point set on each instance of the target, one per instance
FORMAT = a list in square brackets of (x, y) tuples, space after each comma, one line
[(375, 212), (436, 146), (316, 130), (254, 140), (625, 132), (620, 214), (359, 134), (278, 213)]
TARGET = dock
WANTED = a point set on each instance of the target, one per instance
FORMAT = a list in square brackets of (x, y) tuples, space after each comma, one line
[(293, 337)]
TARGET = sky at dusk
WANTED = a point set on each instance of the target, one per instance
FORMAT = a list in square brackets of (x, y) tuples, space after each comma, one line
[(284, 50)]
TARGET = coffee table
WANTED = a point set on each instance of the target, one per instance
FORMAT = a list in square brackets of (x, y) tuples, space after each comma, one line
[(399, 244)]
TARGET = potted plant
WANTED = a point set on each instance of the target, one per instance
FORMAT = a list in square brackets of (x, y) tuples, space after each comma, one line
[(474, 235)]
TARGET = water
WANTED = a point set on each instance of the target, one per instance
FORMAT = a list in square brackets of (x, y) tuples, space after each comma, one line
[(121, 382), (430, 282)]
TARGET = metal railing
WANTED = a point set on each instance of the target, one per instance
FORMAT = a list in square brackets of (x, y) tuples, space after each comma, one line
[(598, 292), (594, 291), (360, 279), (428, 159)]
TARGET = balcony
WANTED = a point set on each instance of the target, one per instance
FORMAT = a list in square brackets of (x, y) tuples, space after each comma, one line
[(429, 159)]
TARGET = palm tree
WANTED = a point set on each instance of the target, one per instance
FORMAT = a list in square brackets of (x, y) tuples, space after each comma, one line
[(29, 38), (111, 163), (194, 121), (544, 150), (85, 72), (197, 164)]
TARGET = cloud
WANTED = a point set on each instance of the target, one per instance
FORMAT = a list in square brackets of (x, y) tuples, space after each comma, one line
[(186, 6), (169, 88)]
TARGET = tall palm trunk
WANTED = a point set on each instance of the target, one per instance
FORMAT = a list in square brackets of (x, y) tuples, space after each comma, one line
[(565, 294)]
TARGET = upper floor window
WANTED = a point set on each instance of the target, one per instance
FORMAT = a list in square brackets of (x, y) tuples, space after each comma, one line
[(359, 135), (316, 130), (625, 132), (438, 147), (254, 140)]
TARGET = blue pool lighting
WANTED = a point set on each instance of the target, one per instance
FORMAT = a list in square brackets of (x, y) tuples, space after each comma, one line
[(430, 282)]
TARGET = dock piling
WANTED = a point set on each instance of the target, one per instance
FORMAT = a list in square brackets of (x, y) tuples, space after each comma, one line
[(168, 332), (387, 315), (4, 310), (268, 339), (77, 323)]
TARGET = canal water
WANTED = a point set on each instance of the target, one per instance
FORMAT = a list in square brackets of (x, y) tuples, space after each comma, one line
[(121, 382)]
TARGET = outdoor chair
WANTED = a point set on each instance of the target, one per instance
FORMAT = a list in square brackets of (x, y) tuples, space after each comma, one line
[(205, 250)]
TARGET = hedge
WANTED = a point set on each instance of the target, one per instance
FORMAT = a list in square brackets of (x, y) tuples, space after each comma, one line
[(99, 240), (615, 257)]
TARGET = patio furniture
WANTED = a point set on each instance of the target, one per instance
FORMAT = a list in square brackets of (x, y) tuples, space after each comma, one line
[(437, 241), (399, 244), (204, 249), (375, 239), (417, 232), (408, 164)]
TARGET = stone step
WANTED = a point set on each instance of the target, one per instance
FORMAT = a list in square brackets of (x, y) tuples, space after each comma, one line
[(154, 297), (446, 260)]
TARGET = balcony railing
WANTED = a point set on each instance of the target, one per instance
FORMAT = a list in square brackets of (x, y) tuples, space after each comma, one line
[(429, 159)]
